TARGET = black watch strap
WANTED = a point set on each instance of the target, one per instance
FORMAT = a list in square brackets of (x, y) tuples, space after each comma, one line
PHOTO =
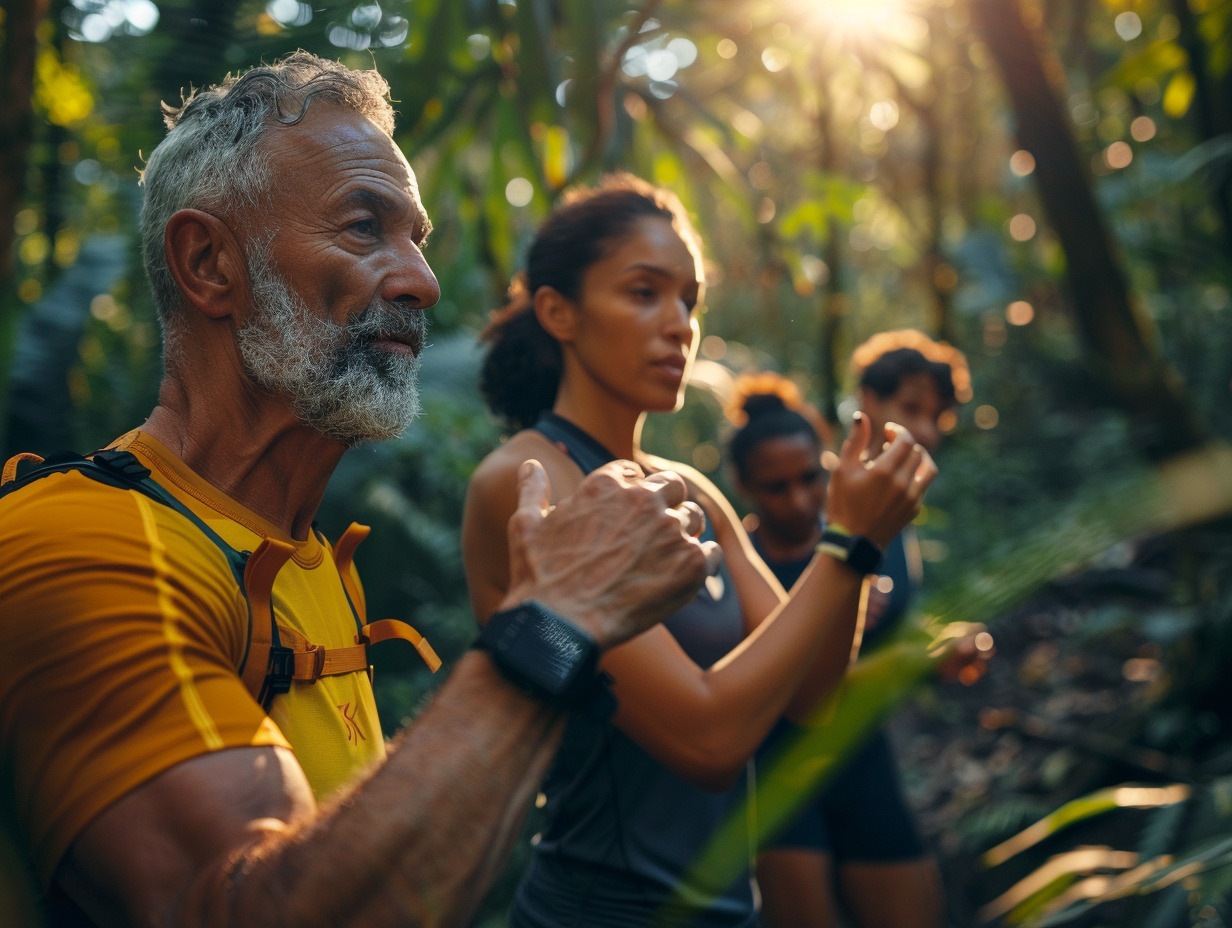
[(549, 657), (856, 551)]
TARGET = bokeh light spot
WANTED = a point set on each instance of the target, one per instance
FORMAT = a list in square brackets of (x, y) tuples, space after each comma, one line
[(342, 37), (635, 106), (661, 65), (393, 31), (34, 248), (519, 191), (366, 16), (29, 290), (1022, 162), (747, 124), (289, 12), (25, 222), (1142, 129), (775, 59), (1020, 312), (815, 269), (104, 307), (1022, 228), (706, 457), (761, 175), (1118, 155), (684, 51), (478, 46), (714, 348), (1128, 25), (884, 115)]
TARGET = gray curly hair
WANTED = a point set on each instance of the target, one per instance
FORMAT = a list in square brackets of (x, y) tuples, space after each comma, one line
[(212, 159)]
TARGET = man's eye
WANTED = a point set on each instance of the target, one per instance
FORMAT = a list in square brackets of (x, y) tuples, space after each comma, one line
[(364, 227)]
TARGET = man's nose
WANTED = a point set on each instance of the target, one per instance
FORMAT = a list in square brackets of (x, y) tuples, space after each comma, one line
[(412, 282)]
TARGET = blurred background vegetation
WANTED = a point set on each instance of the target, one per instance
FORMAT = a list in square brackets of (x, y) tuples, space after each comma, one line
[(1044, 183)]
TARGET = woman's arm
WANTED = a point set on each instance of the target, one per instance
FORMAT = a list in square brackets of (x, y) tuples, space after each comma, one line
[(761, 594), (759, 590)]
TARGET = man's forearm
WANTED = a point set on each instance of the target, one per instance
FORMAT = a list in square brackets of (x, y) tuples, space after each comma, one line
[(420, 840)]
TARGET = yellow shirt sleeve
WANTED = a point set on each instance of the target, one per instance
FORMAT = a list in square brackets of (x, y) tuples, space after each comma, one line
[(120, 630)]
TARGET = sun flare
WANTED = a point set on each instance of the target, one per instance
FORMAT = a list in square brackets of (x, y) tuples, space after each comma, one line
[(860, 22)]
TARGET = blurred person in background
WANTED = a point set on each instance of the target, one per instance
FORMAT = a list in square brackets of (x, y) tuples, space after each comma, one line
[(854, 855)]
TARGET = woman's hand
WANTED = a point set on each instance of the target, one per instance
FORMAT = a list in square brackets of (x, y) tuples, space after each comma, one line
[(876, 493)]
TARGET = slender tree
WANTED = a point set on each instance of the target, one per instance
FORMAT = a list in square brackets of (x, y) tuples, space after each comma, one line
[(1117, 338)]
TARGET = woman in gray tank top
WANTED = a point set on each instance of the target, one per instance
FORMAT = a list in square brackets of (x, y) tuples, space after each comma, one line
[(601, 328)]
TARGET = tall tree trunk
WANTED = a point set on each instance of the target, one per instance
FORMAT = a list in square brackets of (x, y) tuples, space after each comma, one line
[(21, 19), (1209, 104), (1115, 337), (17, 56)]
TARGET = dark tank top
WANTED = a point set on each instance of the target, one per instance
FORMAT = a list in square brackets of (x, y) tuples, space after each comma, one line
[(621, 829)]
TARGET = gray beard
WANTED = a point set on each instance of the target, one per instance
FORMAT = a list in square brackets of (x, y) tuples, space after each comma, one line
[(337, 378)]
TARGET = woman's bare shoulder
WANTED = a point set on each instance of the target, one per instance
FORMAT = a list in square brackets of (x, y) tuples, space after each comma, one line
[(498, 472), (510, 453)]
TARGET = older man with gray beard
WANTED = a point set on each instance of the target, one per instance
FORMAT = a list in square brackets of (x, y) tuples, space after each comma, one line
[(162, 760)]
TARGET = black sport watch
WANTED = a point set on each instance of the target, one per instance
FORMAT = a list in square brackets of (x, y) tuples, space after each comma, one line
[(856, 551), (549, 657)]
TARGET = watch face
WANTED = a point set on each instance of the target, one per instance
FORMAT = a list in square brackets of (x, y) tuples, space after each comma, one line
[(856, 551), (564, 652), (863, 555), (539, 649)]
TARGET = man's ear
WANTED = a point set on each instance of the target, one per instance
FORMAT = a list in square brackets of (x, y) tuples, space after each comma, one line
[(205, 260), (556, 313)]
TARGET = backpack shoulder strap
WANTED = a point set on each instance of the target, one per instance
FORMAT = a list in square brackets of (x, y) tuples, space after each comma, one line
[(275, 655), (118, 469), (263, 668)]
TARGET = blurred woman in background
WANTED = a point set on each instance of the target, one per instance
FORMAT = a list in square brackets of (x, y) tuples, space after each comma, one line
[(856, 849)]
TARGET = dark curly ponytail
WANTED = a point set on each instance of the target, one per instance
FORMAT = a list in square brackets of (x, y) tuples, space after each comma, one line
[(522, 369)]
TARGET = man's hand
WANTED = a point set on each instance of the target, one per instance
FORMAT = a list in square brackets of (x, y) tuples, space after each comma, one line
[(616, 557), (877, 495)]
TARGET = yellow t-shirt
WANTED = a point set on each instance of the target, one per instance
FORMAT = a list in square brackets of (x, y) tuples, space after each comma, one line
[(121, 628)]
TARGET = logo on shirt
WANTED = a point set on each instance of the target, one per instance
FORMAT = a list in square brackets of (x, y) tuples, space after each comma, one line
[(352, 727)]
